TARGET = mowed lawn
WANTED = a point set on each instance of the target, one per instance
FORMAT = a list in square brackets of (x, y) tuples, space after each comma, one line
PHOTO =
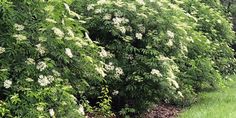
[(217, 104)]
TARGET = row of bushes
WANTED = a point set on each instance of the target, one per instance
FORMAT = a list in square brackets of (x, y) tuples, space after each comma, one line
[(65, 58)]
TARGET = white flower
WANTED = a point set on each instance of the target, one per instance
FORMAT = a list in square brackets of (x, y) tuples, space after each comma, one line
[(41, 66), (30, 61), (51, 112), (100, 70), (176, 85), (40, 108), (101, 2), (180, 94), (138, 35), (87, 36), (122, 29), (117, 21), (74, 14), (109, 66), (103, 53), (58, 32), (163, 58), (19, 27), (140, 2), (49, 8), (81, 110), (170, 34), (40, 49), (2, 50), (68, 52), (115, 92), (50, 20), (131, 7), (29, 79), (170, 43), (107, 17), (19, 37), (152, 0), (70, 32), (43, 80), (67, 7), (173, 82), (7, 83), (50, 78), (97, 11), (90, 7), (119, 71), (156, 72), (141, 28)]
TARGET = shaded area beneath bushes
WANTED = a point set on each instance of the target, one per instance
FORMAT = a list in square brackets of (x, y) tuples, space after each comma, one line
[(162, 111)]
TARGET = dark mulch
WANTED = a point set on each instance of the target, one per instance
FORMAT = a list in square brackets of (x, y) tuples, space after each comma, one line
[(162, 111), (158, 111)]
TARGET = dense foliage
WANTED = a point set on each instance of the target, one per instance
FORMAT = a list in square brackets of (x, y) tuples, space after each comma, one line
[(59, 58), (45, 61)]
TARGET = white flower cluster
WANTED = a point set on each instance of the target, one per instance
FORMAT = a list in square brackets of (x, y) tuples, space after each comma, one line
[(81, 110), (141, 2), (58, 32), (180, 94), (100, 2), (29, 79), (118, 21), (2, 50), (100, 70), (7, 83), (103, 53), (171, 35), (107, 17), (19, 37), (41, 66), (72, 13), (115, 92), (163, 58), (156, 72), (50, 20), (109, 67), (119, 71), (139, 36), (68, 52), (98, 11), (40, 108), (51, 112), (30, 61), (141, 28), (45, 80), (19, 27), (90, 7), (70, 32), (40, 49), (171, 78), (183, 48)]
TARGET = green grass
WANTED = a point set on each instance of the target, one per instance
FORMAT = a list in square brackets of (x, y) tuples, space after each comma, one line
[(217, 104)]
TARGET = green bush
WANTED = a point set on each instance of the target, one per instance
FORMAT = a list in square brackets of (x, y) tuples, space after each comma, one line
[(45, 61), (65, 58), (159, 37)]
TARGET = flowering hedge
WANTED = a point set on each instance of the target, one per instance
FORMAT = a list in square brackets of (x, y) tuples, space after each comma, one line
[(65, 58), (166, 52), (46, 61)]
